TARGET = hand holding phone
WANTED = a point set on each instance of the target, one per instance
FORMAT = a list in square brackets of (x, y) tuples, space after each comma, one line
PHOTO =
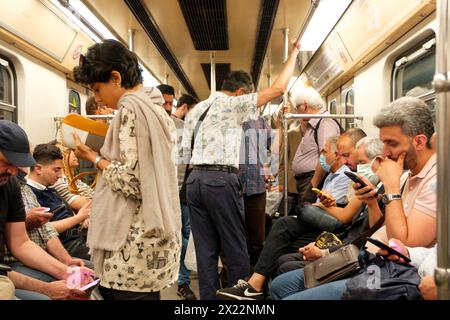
[(355, 179), (325, 199), (91, 284), (391, 251)]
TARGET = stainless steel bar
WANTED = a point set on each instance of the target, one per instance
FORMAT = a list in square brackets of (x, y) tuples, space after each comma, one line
[(442, 87), (324, 116), (286, 148)]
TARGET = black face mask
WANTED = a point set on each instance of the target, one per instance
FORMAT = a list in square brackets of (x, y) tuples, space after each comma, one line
[(21, 175)]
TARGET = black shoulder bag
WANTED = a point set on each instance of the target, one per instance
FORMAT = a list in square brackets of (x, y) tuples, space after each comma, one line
[(188, 170)]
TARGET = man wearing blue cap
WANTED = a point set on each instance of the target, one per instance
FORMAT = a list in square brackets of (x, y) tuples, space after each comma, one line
[(14, 153)]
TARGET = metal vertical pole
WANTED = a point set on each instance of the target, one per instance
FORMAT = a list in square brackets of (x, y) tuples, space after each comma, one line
[(285, 126), (442, 87), (213, 71), (131, 33)]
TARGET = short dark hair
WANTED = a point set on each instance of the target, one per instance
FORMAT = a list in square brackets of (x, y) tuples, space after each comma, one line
[(187, 99), (46, 153), (166, 89), (103, 58), (237, 79), (91, 106), (54, 142)]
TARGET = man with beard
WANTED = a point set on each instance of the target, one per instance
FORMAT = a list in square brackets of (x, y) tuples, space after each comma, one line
[(14, 153), (406, 127)]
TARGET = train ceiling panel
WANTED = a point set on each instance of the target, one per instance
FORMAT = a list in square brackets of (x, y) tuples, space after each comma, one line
[(221, 71), (267, 16), (253, 33), (207, 23), (149, 25)]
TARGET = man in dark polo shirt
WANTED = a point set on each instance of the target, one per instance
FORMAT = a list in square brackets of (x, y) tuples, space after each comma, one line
[(14, 153)]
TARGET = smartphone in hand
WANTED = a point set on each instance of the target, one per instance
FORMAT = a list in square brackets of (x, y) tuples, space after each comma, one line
[(355, 178), (384, 246), (319, 194), (91, 284)]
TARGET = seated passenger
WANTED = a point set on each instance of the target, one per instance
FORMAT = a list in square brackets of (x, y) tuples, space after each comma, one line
[(286, 235), (14, 153), (43, 234), (406, 127), (47, 171), (78, 195), (356, 212)]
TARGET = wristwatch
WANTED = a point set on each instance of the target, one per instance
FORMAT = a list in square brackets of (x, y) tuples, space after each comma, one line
[(98, 158), (387, 198)]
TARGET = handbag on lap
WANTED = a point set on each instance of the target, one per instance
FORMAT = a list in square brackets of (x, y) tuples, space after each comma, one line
[(339, 264), (334, 266)]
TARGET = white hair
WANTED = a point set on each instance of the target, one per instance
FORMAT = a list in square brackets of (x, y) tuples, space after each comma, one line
[(374, 146), (307, 95)]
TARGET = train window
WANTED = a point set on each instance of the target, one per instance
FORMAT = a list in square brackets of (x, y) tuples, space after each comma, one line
[(74, 102), (7, 85), (414, 70), (349, 108), (333, 107)]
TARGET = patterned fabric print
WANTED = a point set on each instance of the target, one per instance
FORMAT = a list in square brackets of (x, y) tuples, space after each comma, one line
[(145, 263), (219, 137), (120, 175), (40, 235)]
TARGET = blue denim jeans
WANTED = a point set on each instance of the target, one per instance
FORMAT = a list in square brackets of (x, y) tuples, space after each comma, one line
[(183, 274), (36, 274), (291, 286), (30, 295)]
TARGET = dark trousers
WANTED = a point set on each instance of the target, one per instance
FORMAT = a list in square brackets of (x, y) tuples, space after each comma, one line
[(285, 236), (216, 213), (255, 224), (77, 248), (303, 182), (112, 294), (290, 261)]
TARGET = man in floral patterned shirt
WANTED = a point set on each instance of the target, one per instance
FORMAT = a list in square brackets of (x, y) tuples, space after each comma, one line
[(214, 193)]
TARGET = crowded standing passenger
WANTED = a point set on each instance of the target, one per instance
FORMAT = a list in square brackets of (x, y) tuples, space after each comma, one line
[(134, 231), (184, 105), (214, 192)]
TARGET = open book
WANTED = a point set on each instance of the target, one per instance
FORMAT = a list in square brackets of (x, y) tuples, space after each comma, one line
[(92, 133)]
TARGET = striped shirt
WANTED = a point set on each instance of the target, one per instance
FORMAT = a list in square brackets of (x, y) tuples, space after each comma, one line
[(256, 142)]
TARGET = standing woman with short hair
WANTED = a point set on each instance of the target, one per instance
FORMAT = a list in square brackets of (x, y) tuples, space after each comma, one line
[(134, 233)]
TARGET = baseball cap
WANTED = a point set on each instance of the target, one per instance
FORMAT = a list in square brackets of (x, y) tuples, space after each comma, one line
[(14, 145)]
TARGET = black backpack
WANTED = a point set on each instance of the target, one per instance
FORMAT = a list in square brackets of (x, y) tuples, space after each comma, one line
[(379, 279), (316, 129)]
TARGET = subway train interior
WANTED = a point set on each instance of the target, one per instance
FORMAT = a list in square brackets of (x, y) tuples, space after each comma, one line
[(360, 55)]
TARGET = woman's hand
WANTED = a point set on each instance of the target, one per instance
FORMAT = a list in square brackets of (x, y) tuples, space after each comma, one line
[(82, 151)]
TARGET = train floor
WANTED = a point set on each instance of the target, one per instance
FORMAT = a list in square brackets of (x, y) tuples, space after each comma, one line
[(171, 292)]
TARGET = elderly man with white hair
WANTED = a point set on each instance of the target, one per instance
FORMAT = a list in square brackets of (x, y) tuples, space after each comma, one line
[(306, 165)]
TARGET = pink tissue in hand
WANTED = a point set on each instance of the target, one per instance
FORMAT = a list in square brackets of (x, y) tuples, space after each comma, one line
[(77, 277)]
